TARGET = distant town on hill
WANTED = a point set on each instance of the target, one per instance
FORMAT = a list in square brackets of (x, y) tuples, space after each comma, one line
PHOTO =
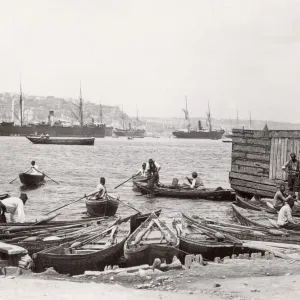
[(36, 110)]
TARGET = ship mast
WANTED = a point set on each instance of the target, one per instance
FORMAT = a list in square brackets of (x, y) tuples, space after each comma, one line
[(250, 121), (101, 115), (21, 104), (80, 107), (209, 119), (123, 117), (237, 118), (186, 114)]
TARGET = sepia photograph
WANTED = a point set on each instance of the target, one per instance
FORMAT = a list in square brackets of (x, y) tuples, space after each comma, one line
[(150, 149)]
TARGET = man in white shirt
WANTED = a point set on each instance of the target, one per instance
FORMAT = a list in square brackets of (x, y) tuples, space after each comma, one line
[(100, 191), (195, 182), (142, 172), (34, 169), (14, 207), (285, 218)]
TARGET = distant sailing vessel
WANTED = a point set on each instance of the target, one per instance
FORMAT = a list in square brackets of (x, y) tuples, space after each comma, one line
[(51, 128), (130, 132), (200, 133)]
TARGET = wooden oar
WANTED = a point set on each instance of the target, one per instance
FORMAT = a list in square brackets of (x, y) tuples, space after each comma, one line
[(46, 175), (18, 177), (69, 204), (128, 205), (126, 181)]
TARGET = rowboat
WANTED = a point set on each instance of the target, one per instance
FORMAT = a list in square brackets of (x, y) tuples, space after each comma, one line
[(153, 239), (246, 233), (61, 141), (186, 193), (102, 207), (258, 206), (196, 238), (31, 179), (4, 196), (91, 253)]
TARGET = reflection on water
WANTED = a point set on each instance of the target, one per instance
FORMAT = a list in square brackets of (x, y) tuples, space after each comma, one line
[(78, 169)]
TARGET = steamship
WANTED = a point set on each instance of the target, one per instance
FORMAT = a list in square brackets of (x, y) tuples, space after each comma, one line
[(53, 129), (201, 133)]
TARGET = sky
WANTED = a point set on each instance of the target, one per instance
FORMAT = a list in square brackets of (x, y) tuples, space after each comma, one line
[(238, 54)]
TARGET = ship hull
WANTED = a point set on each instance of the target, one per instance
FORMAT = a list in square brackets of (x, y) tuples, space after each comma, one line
[(53, 131), (213, 135), (130, 132)]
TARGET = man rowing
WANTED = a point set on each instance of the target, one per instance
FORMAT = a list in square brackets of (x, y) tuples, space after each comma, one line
[(195, 182), (14, 206), (153, 169), (142, 172), (34, 169), (291, 167), (285, 219), (280, 198), (100, 191)]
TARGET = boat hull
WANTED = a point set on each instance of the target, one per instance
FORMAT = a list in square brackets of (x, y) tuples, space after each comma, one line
[(7, 129), (62, 141), (205, 135), (29, 179), (208, 194), (102, 207), (129, 132)]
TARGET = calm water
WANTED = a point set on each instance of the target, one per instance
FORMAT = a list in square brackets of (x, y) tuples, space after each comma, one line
[(78, 169)]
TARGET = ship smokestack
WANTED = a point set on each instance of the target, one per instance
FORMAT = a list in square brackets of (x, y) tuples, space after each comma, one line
[(199, 125), (51, 117), (12, 109)]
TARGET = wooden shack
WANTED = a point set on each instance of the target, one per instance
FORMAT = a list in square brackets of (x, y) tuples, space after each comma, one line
[(258, 157)]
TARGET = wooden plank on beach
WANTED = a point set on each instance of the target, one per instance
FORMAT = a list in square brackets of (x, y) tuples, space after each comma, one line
[(251, 163), (11, 249), (252, 141), (253, 185), (253, 191), (250, 170), (253, 178), (250, 156), (252, 149)]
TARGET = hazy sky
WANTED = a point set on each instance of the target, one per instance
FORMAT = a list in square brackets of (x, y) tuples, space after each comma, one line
[(236, 54)]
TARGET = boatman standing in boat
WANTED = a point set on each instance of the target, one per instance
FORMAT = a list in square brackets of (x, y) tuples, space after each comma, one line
[(153, 169), (291, 167), (14, 206), (100, 191), (195, 182), (142, 172), (285, 219)]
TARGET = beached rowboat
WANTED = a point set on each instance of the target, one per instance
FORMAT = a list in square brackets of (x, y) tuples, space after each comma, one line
[(102, 207), (61, 141), (104, 249), (186, 193), (153, 239), (31, 179)]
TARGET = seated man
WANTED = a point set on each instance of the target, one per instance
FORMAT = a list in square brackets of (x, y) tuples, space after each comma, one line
[(100, 191), (285, 219), (34, 169), (153, 169), (142, 172), (14, 206), (195, 182), (279, 198)]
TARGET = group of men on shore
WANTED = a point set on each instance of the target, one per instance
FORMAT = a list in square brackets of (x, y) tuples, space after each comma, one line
[(284, 202)]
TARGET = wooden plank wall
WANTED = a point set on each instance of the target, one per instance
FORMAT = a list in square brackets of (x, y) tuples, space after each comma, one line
[(281, 148), (250, 165)]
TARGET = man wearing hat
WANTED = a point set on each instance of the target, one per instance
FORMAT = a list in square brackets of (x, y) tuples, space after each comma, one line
[(14, 206), (291, 167), (195, 182)]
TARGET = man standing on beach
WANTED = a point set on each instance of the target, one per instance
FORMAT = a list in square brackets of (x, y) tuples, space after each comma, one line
[(291, 167)]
